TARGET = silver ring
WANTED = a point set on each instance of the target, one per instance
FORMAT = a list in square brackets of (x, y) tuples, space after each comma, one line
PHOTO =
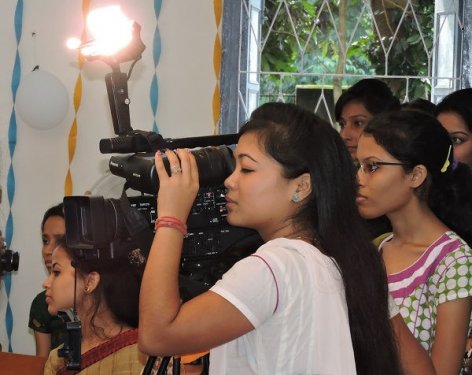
[(175, 169)]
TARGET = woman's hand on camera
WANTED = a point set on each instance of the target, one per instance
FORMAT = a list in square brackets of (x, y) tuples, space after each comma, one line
[(177, 190)]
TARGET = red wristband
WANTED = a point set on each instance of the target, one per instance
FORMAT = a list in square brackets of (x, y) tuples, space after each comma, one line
[(171, 222)]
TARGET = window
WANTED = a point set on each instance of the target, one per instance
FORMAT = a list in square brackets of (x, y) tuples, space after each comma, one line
[(279, 49)]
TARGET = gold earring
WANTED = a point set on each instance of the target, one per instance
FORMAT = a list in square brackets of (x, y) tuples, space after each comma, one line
[(86, 289)]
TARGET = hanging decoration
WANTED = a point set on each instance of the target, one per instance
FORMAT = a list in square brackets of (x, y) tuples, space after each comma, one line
[(42, 100), (72, 139), (12, 129), (216, 103), (156, 54)]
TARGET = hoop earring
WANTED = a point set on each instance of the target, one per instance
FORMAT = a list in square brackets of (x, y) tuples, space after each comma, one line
[(296, 198)]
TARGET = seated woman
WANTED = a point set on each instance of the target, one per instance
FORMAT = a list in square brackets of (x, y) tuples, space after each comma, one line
[(105, 295), (48, 329), (408, 173)]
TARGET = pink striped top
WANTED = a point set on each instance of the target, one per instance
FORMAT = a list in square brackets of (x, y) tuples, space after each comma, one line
[(442, 273)]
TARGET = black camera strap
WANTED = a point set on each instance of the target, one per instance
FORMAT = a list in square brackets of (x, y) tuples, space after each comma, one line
[(136, 224)]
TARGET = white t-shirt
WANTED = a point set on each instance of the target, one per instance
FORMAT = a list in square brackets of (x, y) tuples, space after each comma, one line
[(294, 297)]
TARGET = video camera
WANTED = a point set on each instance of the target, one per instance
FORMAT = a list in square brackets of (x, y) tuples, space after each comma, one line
[(211, 246), (111, 226), (106, 228)]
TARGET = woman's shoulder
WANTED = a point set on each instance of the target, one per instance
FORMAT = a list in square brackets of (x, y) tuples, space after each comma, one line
[(39, 300), (297, 254), (380, 240), (54, 363), (126, 360), (454, 236), (452, 258), (448, 250), (453, 247), (119, 355), (287, 247)]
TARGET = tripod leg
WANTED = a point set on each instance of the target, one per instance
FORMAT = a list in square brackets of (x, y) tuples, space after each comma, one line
[(163, 366), (176, 366), (149, 365), (206, 364)]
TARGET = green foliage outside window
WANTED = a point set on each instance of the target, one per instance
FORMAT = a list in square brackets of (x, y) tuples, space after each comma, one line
[(313, 44)]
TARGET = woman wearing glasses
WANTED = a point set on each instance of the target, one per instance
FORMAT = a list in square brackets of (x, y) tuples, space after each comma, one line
[(407, 172), (354, 109)]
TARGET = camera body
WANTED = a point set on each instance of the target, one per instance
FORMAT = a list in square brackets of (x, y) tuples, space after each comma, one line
[(104, 228), (211, 246)]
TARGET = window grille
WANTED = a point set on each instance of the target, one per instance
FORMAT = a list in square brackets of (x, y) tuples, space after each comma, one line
[(280, 49)]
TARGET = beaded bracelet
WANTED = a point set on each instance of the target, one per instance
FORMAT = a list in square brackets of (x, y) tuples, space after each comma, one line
[(171, 222)]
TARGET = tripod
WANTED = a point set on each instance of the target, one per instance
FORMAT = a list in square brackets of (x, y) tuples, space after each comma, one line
[(162, 370)]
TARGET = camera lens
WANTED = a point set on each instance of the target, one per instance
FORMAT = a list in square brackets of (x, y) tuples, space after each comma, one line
[(214, 164), (9, 261)]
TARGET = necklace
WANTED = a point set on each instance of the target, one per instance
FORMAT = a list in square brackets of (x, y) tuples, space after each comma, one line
[(309, 239), (302, 238), (312, 240)]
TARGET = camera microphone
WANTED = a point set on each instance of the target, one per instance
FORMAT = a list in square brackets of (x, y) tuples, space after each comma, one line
[(136, 141)]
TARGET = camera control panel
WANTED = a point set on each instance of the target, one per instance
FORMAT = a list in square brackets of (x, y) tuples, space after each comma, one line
[(209, 234)]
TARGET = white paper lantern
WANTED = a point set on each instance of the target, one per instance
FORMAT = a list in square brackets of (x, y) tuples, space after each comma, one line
[(42, 100)]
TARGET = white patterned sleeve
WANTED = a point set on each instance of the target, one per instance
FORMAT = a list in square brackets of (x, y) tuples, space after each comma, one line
[(455, 276)]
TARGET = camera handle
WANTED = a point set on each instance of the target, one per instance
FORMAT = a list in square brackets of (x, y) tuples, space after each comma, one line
[(117, 88), (117, 82)]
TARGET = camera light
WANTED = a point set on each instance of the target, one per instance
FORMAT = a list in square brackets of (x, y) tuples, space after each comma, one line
[(110, 31)]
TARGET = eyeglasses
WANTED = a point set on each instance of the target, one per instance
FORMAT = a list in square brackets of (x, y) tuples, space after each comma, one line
[(372, 166)]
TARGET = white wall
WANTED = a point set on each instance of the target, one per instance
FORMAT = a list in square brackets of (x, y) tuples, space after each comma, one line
[(40, 162)]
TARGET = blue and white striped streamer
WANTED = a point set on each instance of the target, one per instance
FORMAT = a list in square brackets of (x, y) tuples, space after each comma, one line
[(156, 54), (15, 82)]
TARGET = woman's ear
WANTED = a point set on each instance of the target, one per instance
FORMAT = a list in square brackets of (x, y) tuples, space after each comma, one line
[(303, 183), (91, 282), (418, 176)]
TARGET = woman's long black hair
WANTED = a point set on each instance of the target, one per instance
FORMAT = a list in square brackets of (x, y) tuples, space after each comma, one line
[(302, 142), (416, 138)]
